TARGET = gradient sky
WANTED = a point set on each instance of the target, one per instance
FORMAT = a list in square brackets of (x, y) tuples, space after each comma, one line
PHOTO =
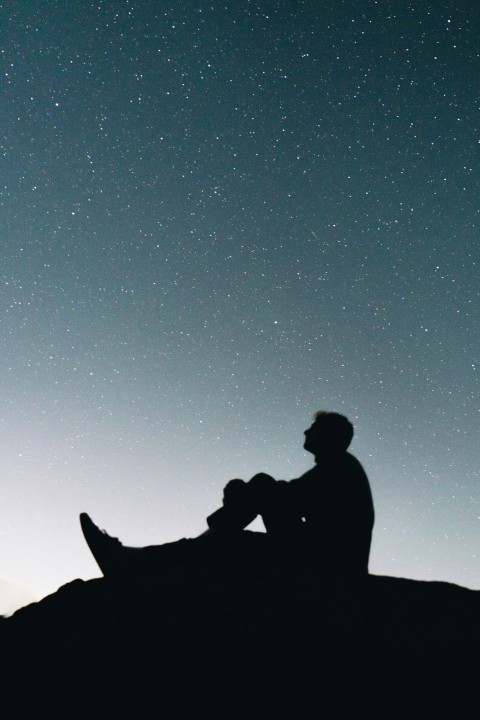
[(218, 218)]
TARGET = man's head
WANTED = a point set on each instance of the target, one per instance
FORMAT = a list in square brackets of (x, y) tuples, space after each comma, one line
[(329, 433)]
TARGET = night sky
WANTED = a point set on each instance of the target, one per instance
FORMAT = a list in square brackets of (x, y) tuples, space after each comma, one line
[(216, 219)]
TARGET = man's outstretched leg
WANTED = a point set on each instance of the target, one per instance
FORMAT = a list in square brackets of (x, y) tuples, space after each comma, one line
[(115, 559)]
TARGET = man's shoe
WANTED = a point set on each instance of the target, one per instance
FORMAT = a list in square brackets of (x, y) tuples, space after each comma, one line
[(106, 550)]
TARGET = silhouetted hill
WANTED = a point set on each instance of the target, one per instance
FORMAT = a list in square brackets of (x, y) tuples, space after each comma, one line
[(244, 642)]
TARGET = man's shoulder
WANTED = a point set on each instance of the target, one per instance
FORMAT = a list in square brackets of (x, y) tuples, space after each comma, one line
[(339, 464), (350, 466), (353, 461)]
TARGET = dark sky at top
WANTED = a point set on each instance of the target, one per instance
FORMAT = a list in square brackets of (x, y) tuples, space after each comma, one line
[(218, 218)]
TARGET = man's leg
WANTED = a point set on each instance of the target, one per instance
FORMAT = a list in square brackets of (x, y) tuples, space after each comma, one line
[(115, 559)]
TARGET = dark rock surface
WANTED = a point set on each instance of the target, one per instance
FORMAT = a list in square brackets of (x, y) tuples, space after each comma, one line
[(229, 642)]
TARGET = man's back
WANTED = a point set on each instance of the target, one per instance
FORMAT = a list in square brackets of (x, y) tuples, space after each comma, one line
[(335, 500)]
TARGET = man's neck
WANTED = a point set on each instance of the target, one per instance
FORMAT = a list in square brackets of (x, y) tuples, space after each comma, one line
[(325, 456)]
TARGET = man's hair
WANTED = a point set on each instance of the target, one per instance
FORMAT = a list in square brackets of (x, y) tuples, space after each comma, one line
[(337, 428)]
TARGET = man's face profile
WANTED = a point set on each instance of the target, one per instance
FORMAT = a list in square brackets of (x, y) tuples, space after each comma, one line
[(314, 437)]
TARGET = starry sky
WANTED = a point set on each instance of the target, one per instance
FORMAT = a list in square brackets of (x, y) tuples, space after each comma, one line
[(218, 218)]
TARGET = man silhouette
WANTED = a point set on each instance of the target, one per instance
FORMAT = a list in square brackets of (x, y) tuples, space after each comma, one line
[(334, 498), (324, 517)]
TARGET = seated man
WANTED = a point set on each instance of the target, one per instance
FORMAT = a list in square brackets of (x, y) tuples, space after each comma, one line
[(324, 517), (334, 498)]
